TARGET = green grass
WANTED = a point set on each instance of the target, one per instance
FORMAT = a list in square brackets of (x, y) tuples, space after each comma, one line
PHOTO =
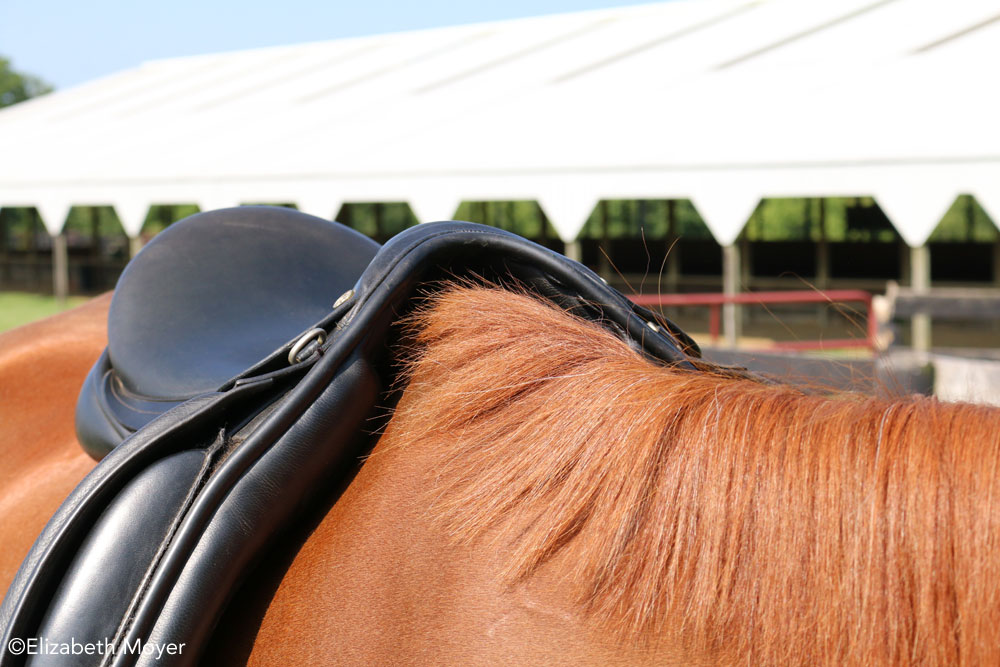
[(17, 308)]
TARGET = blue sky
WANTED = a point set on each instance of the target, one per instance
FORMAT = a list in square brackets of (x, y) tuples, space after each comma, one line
[(67, 42)]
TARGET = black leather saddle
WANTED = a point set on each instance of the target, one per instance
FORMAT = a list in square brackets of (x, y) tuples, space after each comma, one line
[(212, 295), (247, 366)]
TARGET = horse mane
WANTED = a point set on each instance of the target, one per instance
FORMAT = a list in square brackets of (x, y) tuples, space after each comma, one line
[(755, 522)]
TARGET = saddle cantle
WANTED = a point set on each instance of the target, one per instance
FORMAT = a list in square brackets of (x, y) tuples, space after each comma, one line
[(211, 296), (154, 541)]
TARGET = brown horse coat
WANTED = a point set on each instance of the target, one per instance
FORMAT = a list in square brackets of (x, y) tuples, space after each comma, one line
[(42, 366)]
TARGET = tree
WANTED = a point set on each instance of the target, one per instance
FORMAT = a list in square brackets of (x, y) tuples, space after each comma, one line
[(16, 87)]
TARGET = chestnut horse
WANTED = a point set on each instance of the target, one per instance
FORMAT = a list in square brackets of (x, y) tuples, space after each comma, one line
[(544, 495)]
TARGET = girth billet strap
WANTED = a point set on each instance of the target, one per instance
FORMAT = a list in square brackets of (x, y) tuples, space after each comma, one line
[(153, 543)]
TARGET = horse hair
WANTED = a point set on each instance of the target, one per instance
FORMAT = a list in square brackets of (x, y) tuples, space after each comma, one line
[(754, 523)]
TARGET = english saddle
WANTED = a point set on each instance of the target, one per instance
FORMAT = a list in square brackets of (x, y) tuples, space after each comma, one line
[(248, 352)]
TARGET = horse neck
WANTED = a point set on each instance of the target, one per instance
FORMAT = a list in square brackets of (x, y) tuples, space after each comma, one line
[(381, 580), (538, 471)]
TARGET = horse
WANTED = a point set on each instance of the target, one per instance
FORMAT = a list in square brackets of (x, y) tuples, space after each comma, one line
[(544, 494), (42, 366)]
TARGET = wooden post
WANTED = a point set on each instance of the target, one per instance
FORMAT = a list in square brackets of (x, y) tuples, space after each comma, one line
[(731, 323), (134, 245), (60, 267), (920, 281), (574, 251)]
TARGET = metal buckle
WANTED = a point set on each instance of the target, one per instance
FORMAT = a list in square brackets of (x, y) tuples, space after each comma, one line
[(317, 336)]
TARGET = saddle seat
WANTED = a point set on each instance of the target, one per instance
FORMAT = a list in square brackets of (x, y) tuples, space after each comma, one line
[(204, 301)]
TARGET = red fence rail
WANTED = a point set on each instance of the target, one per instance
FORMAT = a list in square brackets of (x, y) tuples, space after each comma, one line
[(714, 301)]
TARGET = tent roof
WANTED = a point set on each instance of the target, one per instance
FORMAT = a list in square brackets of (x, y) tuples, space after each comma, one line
[(722, 101)]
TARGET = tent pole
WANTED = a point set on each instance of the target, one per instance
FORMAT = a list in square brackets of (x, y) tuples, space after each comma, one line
[(574, 251), (60, 267), (134, 245), (920, 281), (731, 321)]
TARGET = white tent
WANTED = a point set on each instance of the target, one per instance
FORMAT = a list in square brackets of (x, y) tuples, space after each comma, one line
[(720, 101)]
